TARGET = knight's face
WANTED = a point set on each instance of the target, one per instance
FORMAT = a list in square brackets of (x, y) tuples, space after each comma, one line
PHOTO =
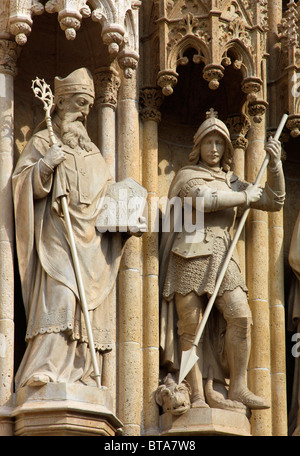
[(212, 149), (75, 107)]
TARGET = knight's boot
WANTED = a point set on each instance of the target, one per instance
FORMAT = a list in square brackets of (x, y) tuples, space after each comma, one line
[(238, 343)]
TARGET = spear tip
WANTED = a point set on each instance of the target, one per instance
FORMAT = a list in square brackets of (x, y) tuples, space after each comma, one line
[(188, 360)]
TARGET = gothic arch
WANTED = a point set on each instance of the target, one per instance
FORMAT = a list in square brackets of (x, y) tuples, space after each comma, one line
[(130, 32), (243, 59), (176, 56), (107, 8)]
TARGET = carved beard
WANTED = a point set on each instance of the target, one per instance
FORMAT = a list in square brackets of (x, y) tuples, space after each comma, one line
[(74, 134)]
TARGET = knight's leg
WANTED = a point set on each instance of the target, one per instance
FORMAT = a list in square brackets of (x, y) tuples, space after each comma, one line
[(236, 311), (189, 311)]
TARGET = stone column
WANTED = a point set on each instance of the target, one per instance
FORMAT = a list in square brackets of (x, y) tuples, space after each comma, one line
[(276, 255), (238, 127), (274, 49), (8, 58), (277, 322), (107, 83), (130, 285), (150, 102), (240, 145), (257, 281)]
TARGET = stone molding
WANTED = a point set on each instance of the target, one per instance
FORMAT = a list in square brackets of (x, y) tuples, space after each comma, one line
[(117, 20)]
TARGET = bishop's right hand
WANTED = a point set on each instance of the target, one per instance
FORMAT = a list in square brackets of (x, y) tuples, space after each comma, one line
[(55, 155)]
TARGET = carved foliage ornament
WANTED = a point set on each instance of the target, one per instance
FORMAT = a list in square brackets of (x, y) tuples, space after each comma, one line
[(255, 11), (188, 24), (8, 57), (235, 30), (107, 83), (238, 126), (288, 29), (150, 102)]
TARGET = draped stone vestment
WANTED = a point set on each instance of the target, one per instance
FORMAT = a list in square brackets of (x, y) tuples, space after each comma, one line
[(42, 240)]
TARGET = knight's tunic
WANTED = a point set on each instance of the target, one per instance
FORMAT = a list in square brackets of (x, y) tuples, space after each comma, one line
[(195, 265)]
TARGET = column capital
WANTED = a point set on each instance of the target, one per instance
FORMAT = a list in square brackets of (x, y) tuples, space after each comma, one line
[(9, 51), (240, 142), (107, 83), (238, 126), (150, 101), (128, 60)]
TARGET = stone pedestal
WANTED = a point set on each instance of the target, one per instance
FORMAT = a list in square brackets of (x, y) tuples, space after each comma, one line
[(206, 422), (6, 422), (59, 409)]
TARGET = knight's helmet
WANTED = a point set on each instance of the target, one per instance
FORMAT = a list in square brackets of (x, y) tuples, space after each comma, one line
[(210, 125)]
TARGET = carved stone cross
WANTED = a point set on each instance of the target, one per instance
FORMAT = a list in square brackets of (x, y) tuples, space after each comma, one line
[(211, 114)]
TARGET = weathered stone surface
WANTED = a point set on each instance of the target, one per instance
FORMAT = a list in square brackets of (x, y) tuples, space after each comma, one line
[(64, 410), (213, 422)]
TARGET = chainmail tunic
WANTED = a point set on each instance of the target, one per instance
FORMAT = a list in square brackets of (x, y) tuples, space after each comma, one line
[(200, 274)]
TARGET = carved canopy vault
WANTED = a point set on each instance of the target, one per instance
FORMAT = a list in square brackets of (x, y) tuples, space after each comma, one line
[(223, 33), (116, 18)]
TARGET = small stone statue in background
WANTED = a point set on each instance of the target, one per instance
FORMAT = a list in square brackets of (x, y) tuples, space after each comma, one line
[(190, 267)]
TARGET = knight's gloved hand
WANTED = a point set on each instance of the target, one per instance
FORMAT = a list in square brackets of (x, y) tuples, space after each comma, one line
[(253, 193), (273, 147)]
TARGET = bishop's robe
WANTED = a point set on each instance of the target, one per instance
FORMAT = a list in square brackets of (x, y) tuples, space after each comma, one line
[(49, 287)]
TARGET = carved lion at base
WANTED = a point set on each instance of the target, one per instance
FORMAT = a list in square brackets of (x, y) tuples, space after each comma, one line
[(173, 398), (176, 399)]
